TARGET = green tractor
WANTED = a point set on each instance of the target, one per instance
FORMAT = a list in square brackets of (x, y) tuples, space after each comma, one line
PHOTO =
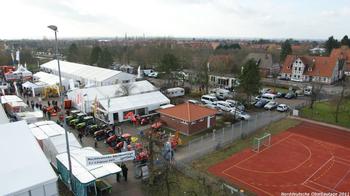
[(88, 120), (77, 120), (73, 114)]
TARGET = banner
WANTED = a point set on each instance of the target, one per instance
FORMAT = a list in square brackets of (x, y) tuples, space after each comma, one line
[(110, 158)]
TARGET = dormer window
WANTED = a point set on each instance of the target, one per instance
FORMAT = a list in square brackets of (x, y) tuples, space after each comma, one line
[(309, 69)]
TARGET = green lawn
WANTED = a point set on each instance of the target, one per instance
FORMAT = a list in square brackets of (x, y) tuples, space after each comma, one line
[(325, 112), (204, 163)]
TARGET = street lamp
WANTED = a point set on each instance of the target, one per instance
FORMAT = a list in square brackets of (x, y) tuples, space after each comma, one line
[(54, 28)]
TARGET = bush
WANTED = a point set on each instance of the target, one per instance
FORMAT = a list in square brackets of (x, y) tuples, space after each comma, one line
[(228, 117)]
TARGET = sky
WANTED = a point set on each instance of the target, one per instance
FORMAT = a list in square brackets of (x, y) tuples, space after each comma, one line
[(298, 19)]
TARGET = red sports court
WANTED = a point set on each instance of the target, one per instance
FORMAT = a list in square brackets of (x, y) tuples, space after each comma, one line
[(305, 158)]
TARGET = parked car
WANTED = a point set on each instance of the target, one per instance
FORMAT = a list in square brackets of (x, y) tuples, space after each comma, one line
[(193, 101), (235, 103), (209, 99), (211, 106), (153, 75), (271, 105), (280, 94), (257, 98), (282, 108), (223, 105), (241, 115), (308, 90), (290, 95), (265, 90), (261, 103)]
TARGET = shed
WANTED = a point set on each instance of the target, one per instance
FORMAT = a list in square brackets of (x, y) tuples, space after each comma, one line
[(25, 170), (188, 118), (84, 176)]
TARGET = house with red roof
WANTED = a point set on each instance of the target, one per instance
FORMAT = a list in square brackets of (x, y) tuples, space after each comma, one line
[(321, 69), (188, 118)]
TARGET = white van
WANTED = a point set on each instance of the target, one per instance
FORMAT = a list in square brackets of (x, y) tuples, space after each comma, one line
[(208, 99), (269, 97), (224, 106), (175, 92), (221, 93)]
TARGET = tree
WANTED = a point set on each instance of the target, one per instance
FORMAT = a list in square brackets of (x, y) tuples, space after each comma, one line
[(286, 49), (316, 89), (339, 99), (27, 57), (105, 59), (95, 55), (73, 53), (345, 41), (168, 63), (330, 44), (250, 78)]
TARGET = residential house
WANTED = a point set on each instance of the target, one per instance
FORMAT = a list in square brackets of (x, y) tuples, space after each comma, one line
[(188, 118), (264, 60), (223, 80), (316, 68)]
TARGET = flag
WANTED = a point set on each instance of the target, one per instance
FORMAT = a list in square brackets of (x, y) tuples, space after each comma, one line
[(17, 56), (208, 66), (13, 58)]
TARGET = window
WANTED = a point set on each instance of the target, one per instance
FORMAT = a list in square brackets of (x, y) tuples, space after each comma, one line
[(295, 68), (299, 68)]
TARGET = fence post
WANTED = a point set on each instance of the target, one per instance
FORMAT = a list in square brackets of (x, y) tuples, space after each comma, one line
[(240, 132), (214, 130), (223, 133), (256, 120)]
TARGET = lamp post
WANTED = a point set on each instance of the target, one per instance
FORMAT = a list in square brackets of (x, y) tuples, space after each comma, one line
[(54, 28)]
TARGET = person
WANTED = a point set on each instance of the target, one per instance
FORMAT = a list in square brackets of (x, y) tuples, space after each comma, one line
[(118, 175), (125, 172), (44, 111), (80, 136), (96, 144), (48, 103), (36, 105), (49, 115)]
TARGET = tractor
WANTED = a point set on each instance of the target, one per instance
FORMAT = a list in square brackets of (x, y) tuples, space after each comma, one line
[(77, 120), (73, 114), (88, 120)]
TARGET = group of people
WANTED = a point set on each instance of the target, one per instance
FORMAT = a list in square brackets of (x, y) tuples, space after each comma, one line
[(124, 172)]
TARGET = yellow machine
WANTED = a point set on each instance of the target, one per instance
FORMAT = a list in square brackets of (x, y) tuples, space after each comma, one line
[(50, 91)]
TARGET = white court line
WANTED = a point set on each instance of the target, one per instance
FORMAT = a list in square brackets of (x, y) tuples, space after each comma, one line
[(318, 170), (341, 180)]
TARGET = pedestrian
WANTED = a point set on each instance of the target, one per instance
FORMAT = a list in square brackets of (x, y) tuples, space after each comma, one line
[(96, 144), (125, 172), (40, 106), (49, 115), (32, 104), (118, 176), (80, 136), (48, 103), (28, 102), (44, 112), (36, 105)]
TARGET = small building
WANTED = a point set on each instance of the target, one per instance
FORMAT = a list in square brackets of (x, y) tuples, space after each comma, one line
[(223, 80), (188, 118), (24, 169)]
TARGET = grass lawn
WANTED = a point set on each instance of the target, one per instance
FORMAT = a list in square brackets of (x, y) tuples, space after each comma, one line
[(325, 112), (205, 162)]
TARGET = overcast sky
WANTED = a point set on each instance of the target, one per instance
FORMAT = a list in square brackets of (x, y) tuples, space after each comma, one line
[(311, 19)]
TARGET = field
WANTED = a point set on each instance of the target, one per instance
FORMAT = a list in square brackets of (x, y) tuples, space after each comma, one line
[(305, 158), (325, 112)]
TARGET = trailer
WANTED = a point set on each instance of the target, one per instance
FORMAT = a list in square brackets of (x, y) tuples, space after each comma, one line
[(175, 92)]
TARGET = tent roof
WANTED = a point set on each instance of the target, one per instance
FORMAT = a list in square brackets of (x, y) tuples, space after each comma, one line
[(77, 70), (103, 92), (59, 143), (3, 116), (29, 85), (81, 170), (24, 166), (45, 129), (10, 98), (135, 101), (47, 78)]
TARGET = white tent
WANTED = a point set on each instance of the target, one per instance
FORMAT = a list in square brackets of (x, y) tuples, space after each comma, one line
[(50, 79), (29, 85), (45, 129), (10, 99), (55, 145), (22, 71), (84, 73), (139, 104), (84, 98), (81, 170), (3, 116), (24, 169)]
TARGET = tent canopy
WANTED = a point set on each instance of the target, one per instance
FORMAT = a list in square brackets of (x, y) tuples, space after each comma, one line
[(49, 79), (24, 166), (135, 101), (10, 98), (29, 85), (45, 129), (22, 71), (83, 172), (80, 71)]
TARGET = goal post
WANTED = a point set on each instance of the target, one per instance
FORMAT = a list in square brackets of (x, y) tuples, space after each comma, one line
[(259, 142)]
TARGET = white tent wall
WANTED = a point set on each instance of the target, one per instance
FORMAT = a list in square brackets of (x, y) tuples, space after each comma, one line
[(3, 116), (34, 176)]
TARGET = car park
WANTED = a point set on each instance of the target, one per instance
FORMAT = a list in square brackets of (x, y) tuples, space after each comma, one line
[(271, 105), (282, 108), (261, 103)]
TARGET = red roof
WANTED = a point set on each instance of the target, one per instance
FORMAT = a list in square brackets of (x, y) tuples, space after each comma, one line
[(188, 112), (321, 66)]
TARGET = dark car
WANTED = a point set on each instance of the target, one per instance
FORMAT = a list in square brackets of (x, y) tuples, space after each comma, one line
[(290, 95), (280, 94), (261, 103)]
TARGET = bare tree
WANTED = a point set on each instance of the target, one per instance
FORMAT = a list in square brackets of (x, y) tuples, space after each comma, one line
[(339, 99), (315, 93), (124, 89)]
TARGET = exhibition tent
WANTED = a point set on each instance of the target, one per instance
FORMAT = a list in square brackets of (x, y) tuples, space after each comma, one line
[(25, 170), (83, 175), (3, 116)]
